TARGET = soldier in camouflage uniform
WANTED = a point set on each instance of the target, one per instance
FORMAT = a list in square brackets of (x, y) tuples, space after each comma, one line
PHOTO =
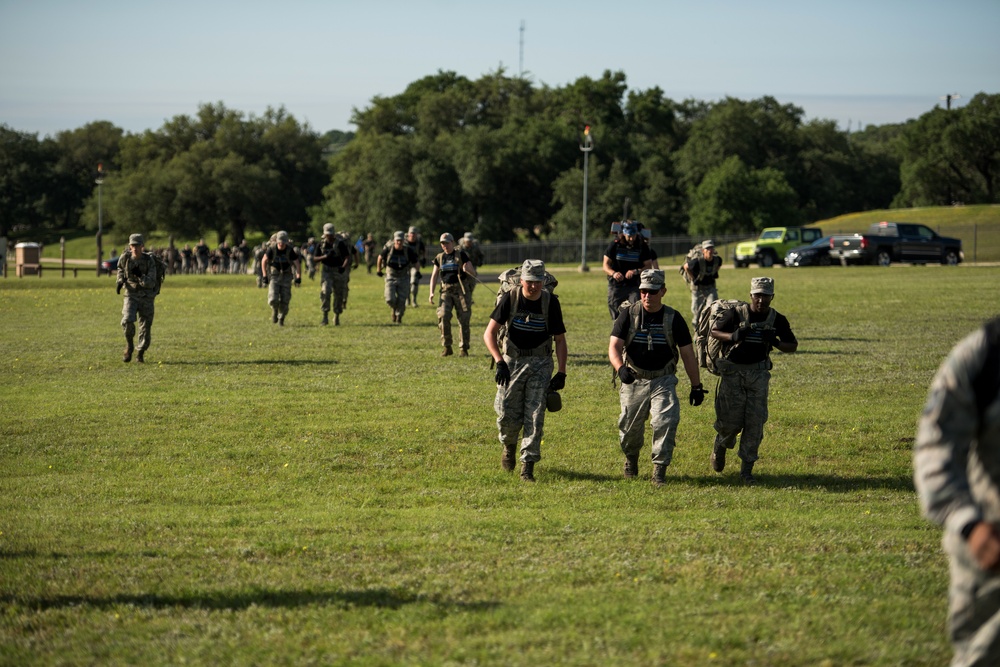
[(280, 265), (451, 266), (415, 242), (702, 274), (956, 463), (533, 319), (471, 247), (137, 275), (624, 261), (741, 401), (335, 257), (646, 341), (395, 262)]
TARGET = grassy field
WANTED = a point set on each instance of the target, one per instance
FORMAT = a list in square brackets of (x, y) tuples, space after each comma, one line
[(333, 495)]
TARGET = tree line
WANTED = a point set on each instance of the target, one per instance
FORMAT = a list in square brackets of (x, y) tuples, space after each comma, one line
[(500, 157)]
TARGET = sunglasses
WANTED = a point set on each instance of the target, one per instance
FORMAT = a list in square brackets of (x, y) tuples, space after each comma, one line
[(649, 291)]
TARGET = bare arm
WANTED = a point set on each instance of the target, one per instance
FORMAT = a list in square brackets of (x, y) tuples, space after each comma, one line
[(690, 365), (562, 352), (615, 348), (490, 340)]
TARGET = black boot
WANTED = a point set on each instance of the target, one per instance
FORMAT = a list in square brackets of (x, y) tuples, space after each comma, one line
[(718, 458), (659, 474), (631, 466), (509, 458), (326, 318), (139, 357), (336, 319), (746, 474), (528, 471)]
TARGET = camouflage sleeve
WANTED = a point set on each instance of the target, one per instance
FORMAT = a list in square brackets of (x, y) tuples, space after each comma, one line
[(945, 434), (122, 270)]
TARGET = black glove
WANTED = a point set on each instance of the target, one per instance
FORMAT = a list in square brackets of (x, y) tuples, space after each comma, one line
[(558, 382), (626, 374), (419, 275), (697, 395), (118, 287), (298, 281), (379, 274), (503, 373), (265, 280), (137, 272)]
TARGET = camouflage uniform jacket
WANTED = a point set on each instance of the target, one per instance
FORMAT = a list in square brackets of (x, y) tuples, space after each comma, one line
[(137, 275), (957, 452)]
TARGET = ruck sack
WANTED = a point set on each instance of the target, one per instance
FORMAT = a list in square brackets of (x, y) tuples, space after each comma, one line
[(692, 256), (161, 269), (710, 350), (510, 282)]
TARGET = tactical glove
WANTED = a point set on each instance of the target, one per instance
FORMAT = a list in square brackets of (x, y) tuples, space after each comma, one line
[(697, 395), (503, 373), (298, 280), (418, 275), (626, 374), (379, 274), (118, 286), (558, 382), (137, 272), (265, 280)]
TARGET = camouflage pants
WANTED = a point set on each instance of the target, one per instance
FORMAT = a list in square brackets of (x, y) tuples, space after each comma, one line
[(397, 289), (414, 283), (656, 399), (520, 406), (973, 607), (453, 299), (336, 284), (279, 291), (741, 405), (310, 266), (618, 294), (138, 308), (700, 297)]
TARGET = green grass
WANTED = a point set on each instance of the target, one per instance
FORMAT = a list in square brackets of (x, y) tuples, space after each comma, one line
[(333, 495)]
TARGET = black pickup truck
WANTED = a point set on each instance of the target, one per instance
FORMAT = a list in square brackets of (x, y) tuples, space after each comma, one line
[(888, 242)]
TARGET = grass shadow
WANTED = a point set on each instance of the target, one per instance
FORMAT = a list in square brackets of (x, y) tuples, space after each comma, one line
[(831, 483), (235, 601), (255, 362)]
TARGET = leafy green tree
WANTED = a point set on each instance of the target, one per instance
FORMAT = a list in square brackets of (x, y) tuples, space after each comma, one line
[(734, 198), (26, 179)]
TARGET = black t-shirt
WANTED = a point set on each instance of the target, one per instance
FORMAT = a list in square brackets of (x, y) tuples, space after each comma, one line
[(640, 353), (757, 344), (625, 258), (528, 330), (281, 260), (450, 265), (706, 279), (398, 259), (336, 252)]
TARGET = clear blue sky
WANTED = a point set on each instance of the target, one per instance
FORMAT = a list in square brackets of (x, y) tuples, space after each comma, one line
[(138, 63)]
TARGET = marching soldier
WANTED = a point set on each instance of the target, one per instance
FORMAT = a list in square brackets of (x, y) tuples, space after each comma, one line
[(137, 275), (702, 274), (395, 262), (335, 257), (279, 266), (450, 267)]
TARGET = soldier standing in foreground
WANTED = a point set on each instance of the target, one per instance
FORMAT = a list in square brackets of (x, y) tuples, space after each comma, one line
[(396, 260), (524, 377), (278, 266), (646, 341), (335, 256), (137, 275), (451, 266), (741, 401), (956, 463)]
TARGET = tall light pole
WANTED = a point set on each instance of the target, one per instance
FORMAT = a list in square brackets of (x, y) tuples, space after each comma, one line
[(586, 146), (948, 98), (99, 180)]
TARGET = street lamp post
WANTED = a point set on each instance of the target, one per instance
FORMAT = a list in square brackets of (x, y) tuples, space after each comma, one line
[(586, 146), (99, 180)]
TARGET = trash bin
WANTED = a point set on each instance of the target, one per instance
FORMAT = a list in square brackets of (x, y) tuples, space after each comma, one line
[(28, 259)]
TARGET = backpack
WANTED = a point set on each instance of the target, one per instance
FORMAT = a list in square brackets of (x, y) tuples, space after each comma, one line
[(161, 270), (510, 281), (692, 256), (709, 350)]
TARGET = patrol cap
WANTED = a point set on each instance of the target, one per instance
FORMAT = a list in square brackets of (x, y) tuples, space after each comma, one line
[(533, 270), (281, 237), (553, 402), (708, 243), (328, 228), (412, 230), (398, 236), (762, 286), (652, 279), (630, 228), (135, 239), (447, 238), (467, 235)]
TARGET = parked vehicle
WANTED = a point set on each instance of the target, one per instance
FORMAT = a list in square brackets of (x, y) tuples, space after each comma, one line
[(110, 265), (816, 253), (888, 242), (772, 245)]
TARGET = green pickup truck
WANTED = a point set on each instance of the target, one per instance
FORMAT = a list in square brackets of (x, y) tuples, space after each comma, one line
[(772, 244)]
